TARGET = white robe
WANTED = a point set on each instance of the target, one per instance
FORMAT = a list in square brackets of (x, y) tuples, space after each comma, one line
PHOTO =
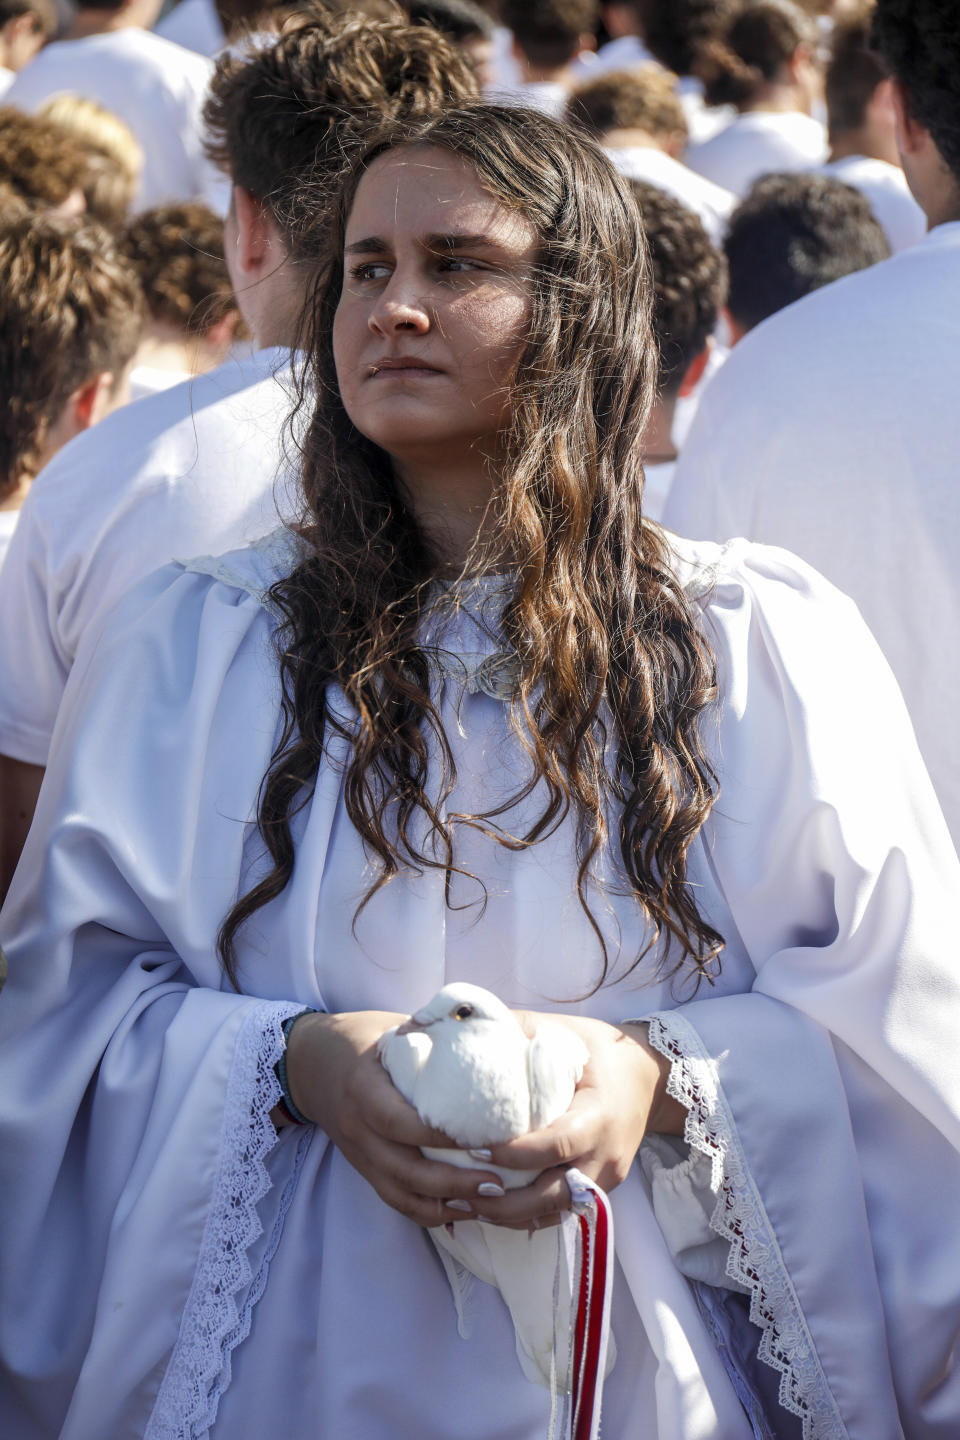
[(833, 430), (170, 1267)]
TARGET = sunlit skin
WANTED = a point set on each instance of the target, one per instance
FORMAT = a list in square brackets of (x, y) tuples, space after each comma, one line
[(433, 318)]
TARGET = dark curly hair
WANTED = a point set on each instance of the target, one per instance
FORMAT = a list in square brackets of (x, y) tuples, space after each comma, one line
[(689, 281), (793, 234), (614, 673), (70, 308), (177, 251), (39, 161), (920, 42), (284, 120)]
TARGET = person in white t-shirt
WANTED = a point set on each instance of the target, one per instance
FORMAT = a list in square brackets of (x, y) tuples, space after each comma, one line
[(834, 430), (639, 119), (192, 314), (792, 235), (25, 27), (863, 133), (689, 288), (549, 36), (156, 87), (72, 313), (194, 468), (768, 66)]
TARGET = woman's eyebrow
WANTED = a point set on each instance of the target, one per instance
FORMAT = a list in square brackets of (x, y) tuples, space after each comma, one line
[(453, 240)]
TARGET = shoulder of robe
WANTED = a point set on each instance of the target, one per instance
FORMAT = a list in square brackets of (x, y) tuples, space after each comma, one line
[(724, 575), (254, 568)]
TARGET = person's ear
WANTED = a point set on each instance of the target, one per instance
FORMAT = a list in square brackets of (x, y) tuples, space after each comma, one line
[(695, 371), (912, 137), (72, 208), (90, 402), (736, 330), (255, 233), (221, 335)]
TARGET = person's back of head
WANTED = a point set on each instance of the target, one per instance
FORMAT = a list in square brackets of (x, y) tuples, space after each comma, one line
[(281, 120), (114, 156), (466, 25), (631, 107), (177, 253), (689, 283), (25, 27), (41, 162), (549, 33), (919, 41), (71, 312), (677, 32), (762, 45), (860, 118), (794, 234)]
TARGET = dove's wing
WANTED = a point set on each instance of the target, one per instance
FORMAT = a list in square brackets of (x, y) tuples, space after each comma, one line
[(403, 1057), (555, 1060)]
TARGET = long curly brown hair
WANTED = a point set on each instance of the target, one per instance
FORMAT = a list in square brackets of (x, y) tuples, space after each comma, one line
[(614, 674)]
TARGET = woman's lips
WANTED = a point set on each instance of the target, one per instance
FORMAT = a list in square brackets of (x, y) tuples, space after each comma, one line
[(403, 365)]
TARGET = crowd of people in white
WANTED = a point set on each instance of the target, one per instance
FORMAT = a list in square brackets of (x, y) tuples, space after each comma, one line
[(466, 479)]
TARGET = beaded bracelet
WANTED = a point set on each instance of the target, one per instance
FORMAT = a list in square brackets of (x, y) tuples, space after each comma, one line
[(286, 1101)]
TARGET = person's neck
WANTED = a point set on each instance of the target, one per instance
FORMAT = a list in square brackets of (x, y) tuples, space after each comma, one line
[(775, 100), (546, 74), (658, 446), (634, 140), (862, 141), (451, 503), (100, 22), (159, 350), (15, 497)]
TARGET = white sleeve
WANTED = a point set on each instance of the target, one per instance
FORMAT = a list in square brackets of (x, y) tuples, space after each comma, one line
[(135, 1085), (827, 1098), (33, 664)]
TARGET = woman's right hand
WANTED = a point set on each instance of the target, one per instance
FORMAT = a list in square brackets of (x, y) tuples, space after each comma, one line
[(336, 1080)]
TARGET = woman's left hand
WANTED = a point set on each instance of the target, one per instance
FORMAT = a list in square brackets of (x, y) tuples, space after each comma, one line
[(621, 1096)]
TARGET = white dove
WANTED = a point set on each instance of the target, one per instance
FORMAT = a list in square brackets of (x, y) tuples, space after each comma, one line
[(467, 1066)]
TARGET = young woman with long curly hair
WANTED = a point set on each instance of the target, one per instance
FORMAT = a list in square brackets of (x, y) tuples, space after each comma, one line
[(477, 720)]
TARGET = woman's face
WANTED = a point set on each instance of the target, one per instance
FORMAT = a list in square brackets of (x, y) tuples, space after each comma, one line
[(435, 308)]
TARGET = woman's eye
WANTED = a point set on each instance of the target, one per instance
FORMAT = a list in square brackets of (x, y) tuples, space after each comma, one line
[(372, 270), (457, 263)]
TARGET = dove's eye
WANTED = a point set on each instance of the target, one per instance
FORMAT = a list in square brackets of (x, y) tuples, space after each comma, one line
[(463, 1012)]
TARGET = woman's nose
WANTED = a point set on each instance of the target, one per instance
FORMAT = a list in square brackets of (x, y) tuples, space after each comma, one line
[(399, 309)]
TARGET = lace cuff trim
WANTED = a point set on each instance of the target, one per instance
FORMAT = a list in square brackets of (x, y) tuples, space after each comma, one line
[(754, 1262), (213, 1323)]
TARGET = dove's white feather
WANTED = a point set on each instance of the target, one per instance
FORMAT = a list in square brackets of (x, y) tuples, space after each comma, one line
[(555, 1060)]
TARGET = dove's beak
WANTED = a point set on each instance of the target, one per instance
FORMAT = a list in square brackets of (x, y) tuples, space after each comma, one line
[(411, 1024)]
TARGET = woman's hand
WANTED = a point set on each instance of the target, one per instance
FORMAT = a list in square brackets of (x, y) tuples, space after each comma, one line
[(621, 1096), (336, 1079)]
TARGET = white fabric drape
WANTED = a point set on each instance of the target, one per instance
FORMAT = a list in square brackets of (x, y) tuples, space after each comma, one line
[(166, 1269)]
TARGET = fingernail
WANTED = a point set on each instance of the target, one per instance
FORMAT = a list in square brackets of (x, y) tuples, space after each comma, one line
[(490, 1188), (463, 1205), (482, 1154)]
